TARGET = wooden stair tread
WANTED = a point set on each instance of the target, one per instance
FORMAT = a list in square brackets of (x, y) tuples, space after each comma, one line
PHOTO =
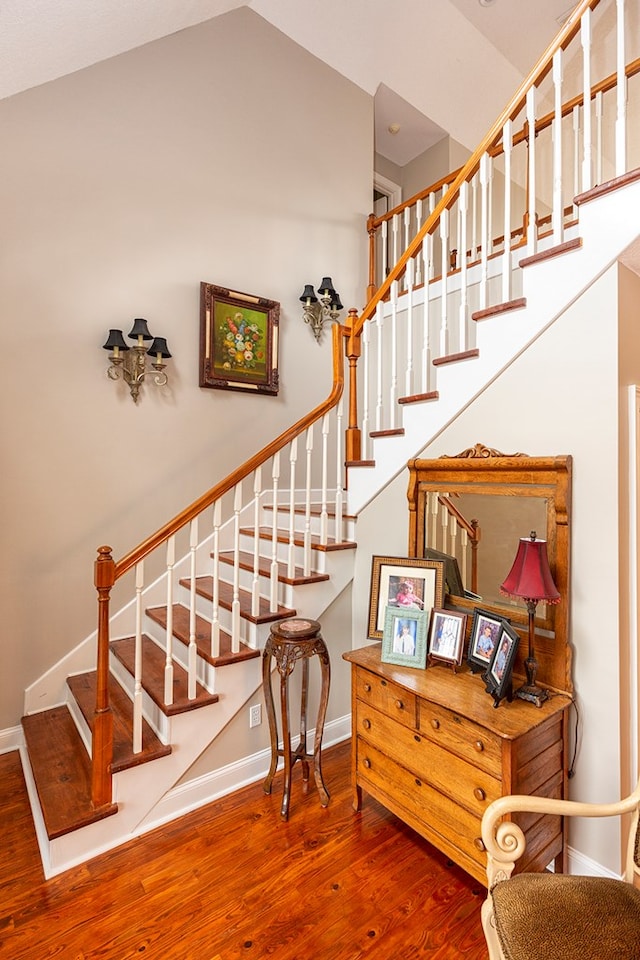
[(62, 772), (455, 357), (315, 510), (83, 687), (282, 536), (246, 561), (420, 397), (153, 662), (203, 636), (204, 587)]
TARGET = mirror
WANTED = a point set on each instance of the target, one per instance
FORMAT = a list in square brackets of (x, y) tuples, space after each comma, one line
[(472, 509)]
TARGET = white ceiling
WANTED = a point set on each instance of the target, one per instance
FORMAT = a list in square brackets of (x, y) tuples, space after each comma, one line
[(41, 40)]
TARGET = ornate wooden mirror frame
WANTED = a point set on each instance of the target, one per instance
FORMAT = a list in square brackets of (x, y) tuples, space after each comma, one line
[(482, 471)]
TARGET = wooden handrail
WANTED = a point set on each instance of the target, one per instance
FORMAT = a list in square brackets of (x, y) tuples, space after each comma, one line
[(208, 498), (537, 74)]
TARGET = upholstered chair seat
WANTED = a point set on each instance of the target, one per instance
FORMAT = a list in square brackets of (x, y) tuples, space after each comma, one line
[(566, 918), (551, 916)]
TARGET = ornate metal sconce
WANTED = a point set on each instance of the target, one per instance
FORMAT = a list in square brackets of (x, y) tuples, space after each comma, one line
[(326, 306), (130, 364)]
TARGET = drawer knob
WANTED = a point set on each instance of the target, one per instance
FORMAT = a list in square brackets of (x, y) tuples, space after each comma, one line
[(367, 688), (366, 763), (399, 704), (478, 844), (479, 794), (435, 724), (418, 782), (479, 746), (366, 724)]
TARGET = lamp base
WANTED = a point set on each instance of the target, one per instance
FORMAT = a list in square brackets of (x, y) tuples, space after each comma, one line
[(532, 693)]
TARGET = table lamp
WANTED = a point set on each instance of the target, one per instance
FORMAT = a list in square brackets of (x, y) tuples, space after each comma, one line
[(530, 578)]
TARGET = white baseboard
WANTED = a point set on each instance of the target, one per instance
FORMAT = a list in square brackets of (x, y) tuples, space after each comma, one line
[(11, 739), (582, 865), (219, 783)]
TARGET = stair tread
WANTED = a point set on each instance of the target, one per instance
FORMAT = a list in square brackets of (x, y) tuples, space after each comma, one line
[(315, 510), (246, 561), (266, 533), (203, 636), (153, 663), (61, 771), (204, 587), (83, 687)]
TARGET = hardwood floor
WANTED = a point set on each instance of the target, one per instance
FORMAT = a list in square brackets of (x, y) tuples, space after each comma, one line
[(232, 881)]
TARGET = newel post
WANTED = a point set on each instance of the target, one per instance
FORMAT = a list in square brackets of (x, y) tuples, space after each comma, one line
[(353, 349), (102, 727)]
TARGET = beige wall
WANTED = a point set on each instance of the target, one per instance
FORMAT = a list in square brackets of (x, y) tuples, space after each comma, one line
[(197, 157), (572, 371)]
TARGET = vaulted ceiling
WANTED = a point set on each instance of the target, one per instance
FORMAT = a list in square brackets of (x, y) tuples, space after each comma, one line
[(444, 65)]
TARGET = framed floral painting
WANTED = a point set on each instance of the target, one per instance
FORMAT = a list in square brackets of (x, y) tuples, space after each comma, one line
[(238, 341)]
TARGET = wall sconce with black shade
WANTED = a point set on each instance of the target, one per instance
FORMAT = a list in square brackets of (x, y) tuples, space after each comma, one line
[(530, 578), (326, 306), (130, 364)]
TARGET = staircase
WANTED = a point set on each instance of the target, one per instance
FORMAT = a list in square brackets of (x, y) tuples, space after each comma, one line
[(177, 661)]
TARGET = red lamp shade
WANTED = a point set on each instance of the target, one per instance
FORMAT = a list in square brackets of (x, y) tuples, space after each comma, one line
[(530, 576)]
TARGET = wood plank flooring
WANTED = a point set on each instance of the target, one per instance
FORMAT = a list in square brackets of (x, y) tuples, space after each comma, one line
[(232, 881)]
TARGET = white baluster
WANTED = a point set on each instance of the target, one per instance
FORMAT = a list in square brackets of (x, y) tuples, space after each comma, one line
[(393, 380), (235, 603), (407, 238), (324, 514), (462, 260), (385, 248), (621, 93), (366, 387), (193, 648), (557, 210), (531, 195), (453, 535), (474, 222), (395, 227), (137, 666), (380, 354), (575, 116), (215, 599), (444, 240), (425, 356), (585, 39), (255, 585), (507, 145), (273, 574), (484, 229), (307, 506), (433, 509), (291, 550), (464, 549), (599, 120), (339, 481), (408, 375), (418, 259), (168, 664)]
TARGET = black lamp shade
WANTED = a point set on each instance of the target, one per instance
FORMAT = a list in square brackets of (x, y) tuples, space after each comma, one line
[(335, 301), (115, 339), (140, 329), (159, 345), (308, 294), (326, 287)]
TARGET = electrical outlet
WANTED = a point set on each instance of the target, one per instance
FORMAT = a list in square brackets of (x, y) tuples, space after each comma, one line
[(255, 715)]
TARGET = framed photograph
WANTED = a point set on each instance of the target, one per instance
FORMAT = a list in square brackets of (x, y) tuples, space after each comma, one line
[(407, 583), (485, 630), (498, 676), (446, 636), (452, 579), (238, 341), (404, 638)]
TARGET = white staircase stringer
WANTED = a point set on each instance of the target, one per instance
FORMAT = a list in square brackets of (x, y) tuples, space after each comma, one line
[(608, 225)]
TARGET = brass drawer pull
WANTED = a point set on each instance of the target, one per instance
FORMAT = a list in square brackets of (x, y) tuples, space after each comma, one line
[(435, 724), (479, 746), (479, 794), (366, 763), (367, 688), (478, 844), (366, 724), (399, 704)]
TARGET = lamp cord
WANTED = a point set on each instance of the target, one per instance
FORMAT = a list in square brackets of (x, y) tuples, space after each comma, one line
[(572, 765)]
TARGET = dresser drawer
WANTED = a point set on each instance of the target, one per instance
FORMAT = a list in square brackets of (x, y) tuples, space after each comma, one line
[(387, 696), (462, 736), (458, 779), (428, 811)]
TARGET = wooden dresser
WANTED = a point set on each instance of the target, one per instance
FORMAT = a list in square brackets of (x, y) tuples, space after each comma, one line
[(431, 747)]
